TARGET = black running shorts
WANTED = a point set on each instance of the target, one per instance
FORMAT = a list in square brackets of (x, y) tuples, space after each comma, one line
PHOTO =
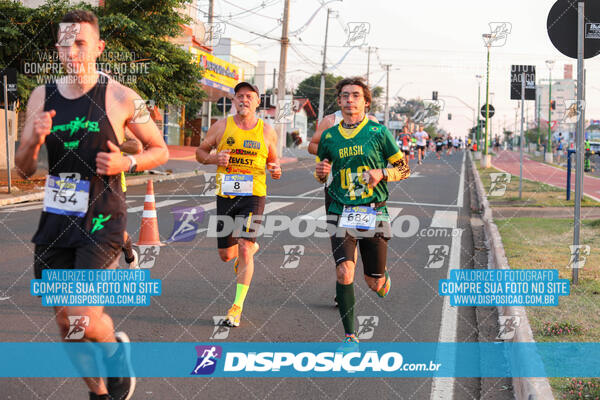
[(91, 256), (372, 246), (247, 209)]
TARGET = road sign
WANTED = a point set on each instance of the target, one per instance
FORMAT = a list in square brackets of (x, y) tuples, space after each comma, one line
[(11, 79), (491, 111), (516, 74), (562, 27)]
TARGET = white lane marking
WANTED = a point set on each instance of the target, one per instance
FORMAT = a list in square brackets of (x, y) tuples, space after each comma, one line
[(311, 198), (315, 214), (394, 212), (444, 219), (164, 203), (443, 388), (310, 191), (274, 206), (461, 184), (209, 206), (269, 208)]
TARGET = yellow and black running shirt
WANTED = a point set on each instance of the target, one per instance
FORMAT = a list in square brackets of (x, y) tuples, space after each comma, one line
[(352, 152), (248, 156)]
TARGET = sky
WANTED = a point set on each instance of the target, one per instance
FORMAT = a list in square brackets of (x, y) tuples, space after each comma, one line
[(432, 45)]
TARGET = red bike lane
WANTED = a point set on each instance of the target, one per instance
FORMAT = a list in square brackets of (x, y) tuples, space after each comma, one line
[(508, 161)]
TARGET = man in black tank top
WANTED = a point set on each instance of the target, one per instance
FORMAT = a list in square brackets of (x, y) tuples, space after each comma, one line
[(82, 118)]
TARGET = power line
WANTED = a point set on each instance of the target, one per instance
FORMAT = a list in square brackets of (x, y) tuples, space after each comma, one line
[(252, 12)]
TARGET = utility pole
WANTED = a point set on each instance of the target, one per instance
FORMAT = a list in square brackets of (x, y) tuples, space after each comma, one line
[(368, 63), (386, 118), (539, 108), (210, 34), (322, 90), (210, 20), (282, 68)]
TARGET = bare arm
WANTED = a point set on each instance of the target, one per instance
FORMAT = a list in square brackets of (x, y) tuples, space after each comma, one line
[(326, 123), (154, 149), (142, 127), (131, 145), (37, 126), (213, 136), (273, 163)]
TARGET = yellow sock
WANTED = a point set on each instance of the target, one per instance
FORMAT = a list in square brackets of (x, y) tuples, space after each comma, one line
[(240, 294)]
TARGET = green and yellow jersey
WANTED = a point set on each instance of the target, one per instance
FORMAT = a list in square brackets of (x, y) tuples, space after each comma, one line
[(352, 152)]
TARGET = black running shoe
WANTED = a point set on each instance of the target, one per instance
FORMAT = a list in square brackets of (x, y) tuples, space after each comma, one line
[(121, 388)]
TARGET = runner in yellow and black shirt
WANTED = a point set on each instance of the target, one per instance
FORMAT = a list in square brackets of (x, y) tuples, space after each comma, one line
[(245, 147)]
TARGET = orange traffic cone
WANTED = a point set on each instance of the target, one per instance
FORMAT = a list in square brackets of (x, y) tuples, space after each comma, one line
[(149, 231), (412, 154)]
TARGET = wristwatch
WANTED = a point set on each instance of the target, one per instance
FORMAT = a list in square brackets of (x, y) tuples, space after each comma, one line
[(385, 173), (133, 166)]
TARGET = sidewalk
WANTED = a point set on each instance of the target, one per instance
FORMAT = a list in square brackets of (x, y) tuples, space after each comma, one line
[(508, 161), (181, 164)]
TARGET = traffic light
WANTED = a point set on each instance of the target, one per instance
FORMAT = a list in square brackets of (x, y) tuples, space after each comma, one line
[(449, 116), (434, 96), (553, 104)]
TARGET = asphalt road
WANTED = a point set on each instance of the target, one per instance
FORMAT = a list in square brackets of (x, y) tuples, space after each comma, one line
[(290, 304)]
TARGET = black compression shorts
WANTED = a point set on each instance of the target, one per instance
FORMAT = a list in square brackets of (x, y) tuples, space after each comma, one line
[(373, 246), (247, 209)]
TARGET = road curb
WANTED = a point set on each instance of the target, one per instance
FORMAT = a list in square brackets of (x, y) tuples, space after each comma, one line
[(524, 388), (131, 181)]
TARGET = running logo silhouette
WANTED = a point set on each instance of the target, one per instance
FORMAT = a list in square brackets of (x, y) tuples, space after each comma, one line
[(285, 112), (210, 185), (67, 32), (357, 34), (499, 33), (437, 256), (213, 32), (292, 254), (148, 254), (207, 359), (141, 112), (185, 223), (220, 331), (573, 111), (499, 183), (77, 325), (508, 327), (366, 326), (579, 255)]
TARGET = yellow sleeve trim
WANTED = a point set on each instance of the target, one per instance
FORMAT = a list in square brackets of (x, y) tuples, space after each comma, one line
[(396, 157)]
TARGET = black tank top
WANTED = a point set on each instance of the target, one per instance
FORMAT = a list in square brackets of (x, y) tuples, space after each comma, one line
[(80, 129)]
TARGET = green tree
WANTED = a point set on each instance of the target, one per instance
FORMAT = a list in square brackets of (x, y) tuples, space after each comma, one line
[(415, 110), (137, 37), (378, 101), (310, 87)]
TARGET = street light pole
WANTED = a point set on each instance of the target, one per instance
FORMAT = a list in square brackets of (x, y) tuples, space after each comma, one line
[(548, 157), (487, 162), (479, 78), (322, 89), (386, 117)]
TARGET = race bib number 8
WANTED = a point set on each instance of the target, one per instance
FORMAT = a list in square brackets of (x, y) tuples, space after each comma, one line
[(237, 185), (358, 217), (66, 196)]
